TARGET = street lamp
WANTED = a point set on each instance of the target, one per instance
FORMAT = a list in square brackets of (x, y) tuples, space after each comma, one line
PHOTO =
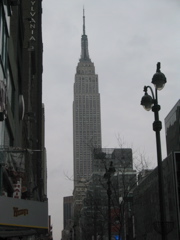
[(109, 172), (151, 102), (121, 217)]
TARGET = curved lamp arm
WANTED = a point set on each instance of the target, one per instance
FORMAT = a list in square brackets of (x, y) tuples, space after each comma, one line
[(147, 101)]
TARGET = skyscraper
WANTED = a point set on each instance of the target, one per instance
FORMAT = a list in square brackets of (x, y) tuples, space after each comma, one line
[(86, 113)]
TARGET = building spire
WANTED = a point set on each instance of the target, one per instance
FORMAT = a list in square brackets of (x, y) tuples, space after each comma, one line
[(84, 43), (83, 21)]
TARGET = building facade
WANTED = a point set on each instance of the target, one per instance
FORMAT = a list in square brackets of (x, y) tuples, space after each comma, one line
[(23, 168), (116, 188), (67, 209), (172, 126), (146, 202), (68, 229), (33, 123), (86, 113)]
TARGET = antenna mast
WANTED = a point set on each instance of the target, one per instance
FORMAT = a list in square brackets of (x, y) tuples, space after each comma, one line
[(83, 21)]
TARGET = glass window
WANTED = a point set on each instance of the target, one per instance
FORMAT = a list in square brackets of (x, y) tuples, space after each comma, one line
[(1, 134), (4, 29), (10, 89), (8, 141), (1, 22), (7, 15)]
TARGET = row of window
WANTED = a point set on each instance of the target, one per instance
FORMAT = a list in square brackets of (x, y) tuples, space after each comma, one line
[(86, 79), (85, 72)]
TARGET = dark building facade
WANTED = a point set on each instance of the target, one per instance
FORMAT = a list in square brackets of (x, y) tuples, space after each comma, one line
[(23, 168), (146, 202), (68, 223), (172, 126), (32, 90), (67, 210)]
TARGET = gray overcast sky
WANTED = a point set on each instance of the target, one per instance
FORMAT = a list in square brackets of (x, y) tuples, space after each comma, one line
[(126, 40)]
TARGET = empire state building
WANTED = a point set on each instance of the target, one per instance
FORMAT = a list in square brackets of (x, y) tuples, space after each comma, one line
[(86, 113)]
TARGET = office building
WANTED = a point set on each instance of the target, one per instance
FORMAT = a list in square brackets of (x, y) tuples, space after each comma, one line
[(172, 126), (146, 206), (23, 169), (118, 186), (67, 210), (33, 124), (86, 113), (86, 126), (146, 194)]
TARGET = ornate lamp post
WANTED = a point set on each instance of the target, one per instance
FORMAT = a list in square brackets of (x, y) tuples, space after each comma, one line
[(151, 102), (109, 172)]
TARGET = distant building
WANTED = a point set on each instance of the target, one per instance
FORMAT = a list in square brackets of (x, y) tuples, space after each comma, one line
[(86, 126), (68, 222), (121, 158), (172, 126), (86, 113), (79, 194), (67, 209), (94, 213)]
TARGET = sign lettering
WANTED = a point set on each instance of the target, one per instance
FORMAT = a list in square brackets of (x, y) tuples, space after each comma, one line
[(19, 212), (32, 24)]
